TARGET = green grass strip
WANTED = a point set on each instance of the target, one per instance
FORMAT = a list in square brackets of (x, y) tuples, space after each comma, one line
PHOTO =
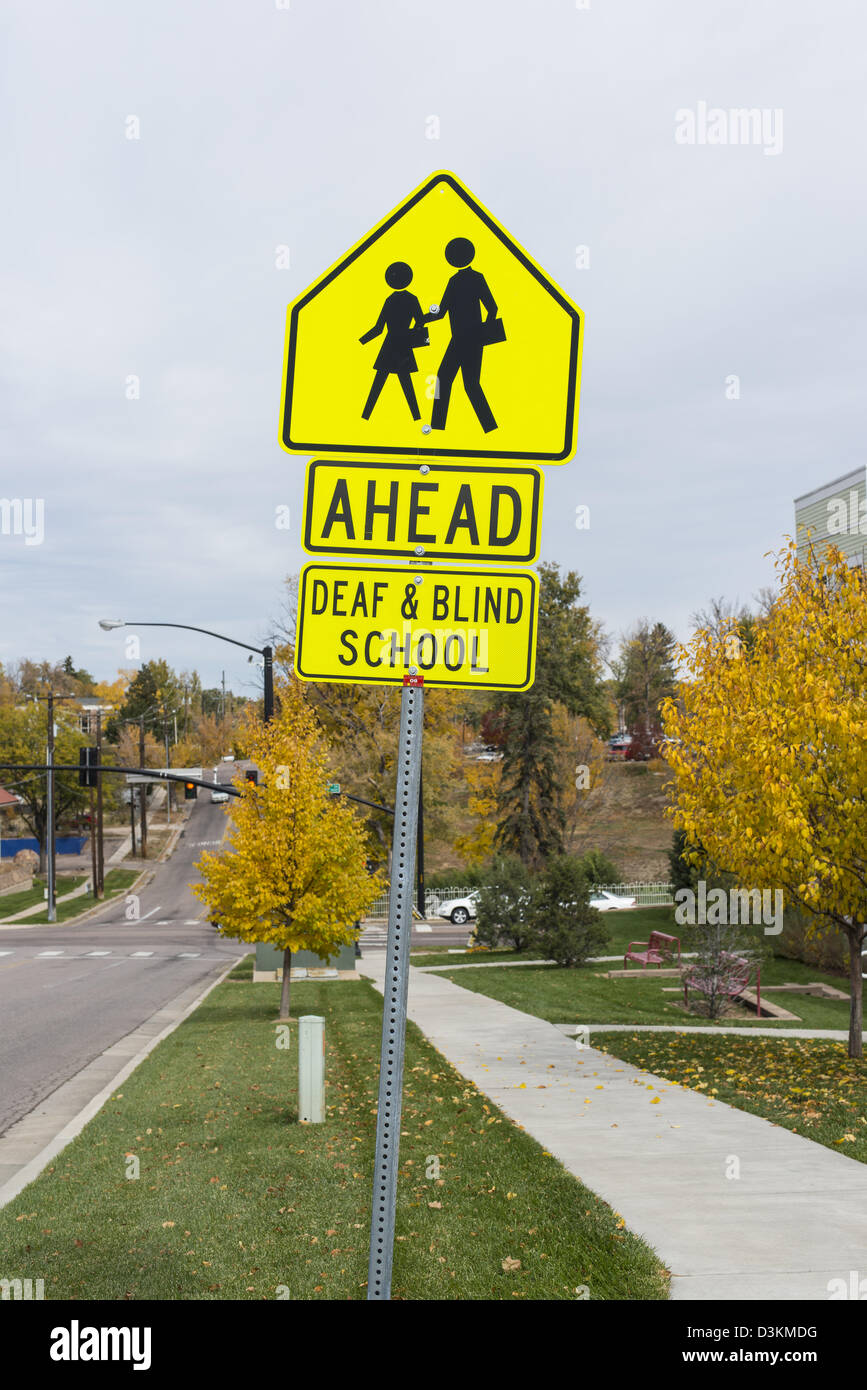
[(236, 1200)]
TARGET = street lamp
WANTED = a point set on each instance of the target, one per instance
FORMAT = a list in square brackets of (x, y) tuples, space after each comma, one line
[(109, 624)]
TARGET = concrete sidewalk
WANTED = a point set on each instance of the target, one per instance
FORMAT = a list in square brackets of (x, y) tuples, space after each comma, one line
[(794, 1218)]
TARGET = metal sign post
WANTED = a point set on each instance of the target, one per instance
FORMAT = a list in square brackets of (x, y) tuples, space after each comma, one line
[(395, 991)]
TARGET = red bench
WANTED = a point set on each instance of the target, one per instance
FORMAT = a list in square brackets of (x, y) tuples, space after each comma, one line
[(732, 979), (656, 951)]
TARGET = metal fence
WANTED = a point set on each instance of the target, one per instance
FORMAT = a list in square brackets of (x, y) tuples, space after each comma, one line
[(646, 894)]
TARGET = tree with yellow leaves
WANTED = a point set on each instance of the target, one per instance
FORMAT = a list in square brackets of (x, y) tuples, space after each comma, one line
[(294, 872), (768, 745), (483, 784)]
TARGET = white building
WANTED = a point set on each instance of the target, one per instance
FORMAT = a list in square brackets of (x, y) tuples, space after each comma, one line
[(835, 514)]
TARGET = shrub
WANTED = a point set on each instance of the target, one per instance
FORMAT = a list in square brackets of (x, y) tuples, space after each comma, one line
[(598, 868), (504, 905), (468, 876), (565, 927)]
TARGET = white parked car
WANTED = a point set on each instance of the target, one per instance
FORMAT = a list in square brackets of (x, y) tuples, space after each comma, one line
[(219, 796), (459, 910), (610, 902)]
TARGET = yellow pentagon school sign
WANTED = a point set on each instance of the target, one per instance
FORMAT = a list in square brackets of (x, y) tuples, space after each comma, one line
[(366, 624), (437, 334), (439, 510)]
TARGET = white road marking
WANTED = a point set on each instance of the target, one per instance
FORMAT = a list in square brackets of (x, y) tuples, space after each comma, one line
[(98, 953), (418, 928), (6, 953), (188, 955), (149, 914), (51, 953), (142, 953), (193, 922)]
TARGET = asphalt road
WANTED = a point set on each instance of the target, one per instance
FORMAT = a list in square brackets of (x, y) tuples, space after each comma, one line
[(68, 992)]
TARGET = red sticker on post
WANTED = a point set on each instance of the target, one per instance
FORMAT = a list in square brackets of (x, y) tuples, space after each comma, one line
[(413, 680)]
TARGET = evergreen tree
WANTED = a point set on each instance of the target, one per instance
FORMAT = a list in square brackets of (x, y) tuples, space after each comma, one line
[(532, 820), (645, 674)]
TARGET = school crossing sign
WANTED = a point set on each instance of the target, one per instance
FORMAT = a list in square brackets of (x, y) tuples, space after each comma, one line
[(436, 335)]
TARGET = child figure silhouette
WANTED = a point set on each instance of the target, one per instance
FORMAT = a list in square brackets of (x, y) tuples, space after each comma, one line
[(402, 318)]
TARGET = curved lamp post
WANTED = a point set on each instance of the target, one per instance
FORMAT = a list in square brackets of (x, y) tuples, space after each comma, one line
[(109, 624)]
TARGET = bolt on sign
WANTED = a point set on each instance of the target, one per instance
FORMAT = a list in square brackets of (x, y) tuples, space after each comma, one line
[(441, 511), (370, 624), (436, 334)]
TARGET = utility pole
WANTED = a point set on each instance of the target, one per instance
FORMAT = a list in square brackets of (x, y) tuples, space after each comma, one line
[(143, 837), (223, 700), (168, 784), (49, 813), (100, 867), (94, 875)]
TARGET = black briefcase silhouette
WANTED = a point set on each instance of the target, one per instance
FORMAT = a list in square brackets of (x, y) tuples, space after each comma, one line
[(492, 332), (418, 337)]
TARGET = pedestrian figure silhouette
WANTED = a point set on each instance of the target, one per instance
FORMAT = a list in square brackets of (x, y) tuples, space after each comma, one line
[(465, 294), (403, 321)]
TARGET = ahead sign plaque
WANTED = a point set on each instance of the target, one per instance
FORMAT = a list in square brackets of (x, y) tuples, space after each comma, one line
[(440, 511)]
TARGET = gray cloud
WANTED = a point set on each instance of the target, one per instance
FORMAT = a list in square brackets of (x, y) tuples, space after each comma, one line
[(262, 127)]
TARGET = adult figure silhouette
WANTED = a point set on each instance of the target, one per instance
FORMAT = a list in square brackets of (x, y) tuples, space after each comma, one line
[(465, 294), (403, 321)]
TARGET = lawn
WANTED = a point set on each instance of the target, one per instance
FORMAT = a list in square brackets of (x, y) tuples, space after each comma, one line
[(437, 956), (807, 1085), (584, 995), (117, 881), (11, 903), (236, 1200)]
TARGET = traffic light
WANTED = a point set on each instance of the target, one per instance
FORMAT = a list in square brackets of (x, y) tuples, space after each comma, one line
[(87, 765), (252, 775), (191, 791)]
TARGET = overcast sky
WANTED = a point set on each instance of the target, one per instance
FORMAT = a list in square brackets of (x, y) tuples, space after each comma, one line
[(304, 124)]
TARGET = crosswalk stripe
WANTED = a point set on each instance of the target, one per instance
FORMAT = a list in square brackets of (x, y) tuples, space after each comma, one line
[(51, 953), (188, 955), (142, 953), (98, 953)]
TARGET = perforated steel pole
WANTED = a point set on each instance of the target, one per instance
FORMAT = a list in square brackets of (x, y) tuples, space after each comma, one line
[(396, 981)]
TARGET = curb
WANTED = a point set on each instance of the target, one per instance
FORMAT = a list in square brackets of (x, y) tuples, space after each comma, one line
[(32, 1167)]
